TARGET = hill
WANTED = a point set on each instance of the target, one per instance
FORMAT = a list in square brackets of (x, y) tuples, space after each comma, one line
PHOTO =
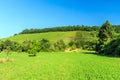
[(54, 36)]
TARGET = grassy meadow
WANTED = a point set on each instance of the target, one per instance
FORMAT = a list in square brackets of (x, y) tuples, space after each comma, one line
[(54, 36), (79, 46), (51, 36), (60, 66)]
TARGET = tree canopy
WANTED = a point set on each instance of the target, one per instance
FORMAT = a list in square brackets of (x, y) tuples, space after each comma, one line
[(105, 35)]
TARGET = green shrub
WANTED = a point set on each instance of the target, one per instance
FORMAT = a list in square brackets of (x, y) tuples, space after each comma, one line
[(113, 48), (45, 45), (72, 45), (60, 45), (32, 52)]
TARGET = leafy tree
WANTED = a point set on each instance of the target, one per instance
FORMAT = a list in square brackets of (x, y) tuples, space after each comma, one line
[(1, 45), (72, 45), (34, 47), (7, 47), (90, 45), (113, 48), (60, 45), (105, 35), (45, 45), (26, 46)]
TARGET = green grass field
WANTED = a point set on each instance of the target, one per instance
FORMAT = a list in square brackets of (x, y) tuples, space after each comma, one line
[(60, 66), (53, 36)]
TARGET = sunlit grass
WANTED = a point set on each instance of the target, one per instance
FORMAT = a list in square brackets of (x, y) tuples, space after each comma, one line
[(60, 66), (53, 36)]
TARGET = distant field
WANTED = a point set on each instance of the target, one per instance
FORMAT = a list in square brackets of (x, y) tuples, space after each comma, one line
[(60, 66), (52, 36)]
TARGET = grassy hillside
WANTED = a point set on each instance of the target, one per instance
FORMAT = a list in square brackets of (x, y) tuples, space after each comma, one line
[(59, 66), (87, 35), (52, 36)]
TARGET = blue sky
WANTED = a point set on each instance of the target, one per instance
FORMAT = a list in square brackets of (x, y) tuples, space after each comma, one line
[(16, 15)]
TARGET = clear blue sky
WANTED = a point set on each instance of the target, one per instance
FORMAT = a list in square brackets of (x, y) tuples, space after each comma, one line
[(16, 15)]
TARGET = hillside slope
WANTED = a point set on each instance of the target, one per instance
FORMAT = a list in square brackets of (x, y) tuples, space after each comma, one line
[(52, 36)]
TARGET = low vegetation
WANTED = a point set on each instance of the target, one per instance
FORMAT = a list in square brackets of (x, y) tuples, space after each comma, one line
[(60, 66), (86, 38), (33, 43)]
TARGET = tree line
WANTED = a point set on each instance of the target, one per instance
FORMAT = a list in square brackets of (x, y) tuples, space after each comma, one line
[(68, 28), (44, 45), (62, 28)]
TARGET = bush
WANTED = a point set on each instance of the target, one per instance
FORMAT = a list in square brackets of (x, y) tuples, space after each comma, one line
[(32, 52), (72, 45), (90, 45), (13, 46), (25, 46), (60, 45), (45, 45)]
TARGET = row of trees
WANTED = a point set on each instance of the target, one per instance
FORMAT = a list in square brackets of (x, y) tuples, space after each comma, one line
[(44, 45), (63, 28), (68, 28), (32, 47)]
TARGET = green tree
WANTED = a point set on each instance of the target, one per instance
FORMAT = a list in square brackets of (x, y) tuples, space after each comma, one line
[(105, 35), (60, 45), (26, 46), (113, 48), (33, 48), (72, 45), (45, 45)]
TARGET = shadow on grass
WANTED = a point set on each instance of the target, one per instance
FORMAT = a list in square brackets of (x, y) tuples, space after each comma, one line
[(103, 55)]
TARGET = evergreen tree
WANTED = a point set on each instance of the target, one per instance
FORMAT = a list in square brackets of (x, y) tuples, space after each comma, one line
[(105, 35)]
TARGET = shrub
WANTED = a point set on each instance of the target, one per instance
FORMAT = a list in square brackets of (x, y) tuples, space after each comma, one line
[(45, 45), (72, 45), (60, 45), (32, 52)]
